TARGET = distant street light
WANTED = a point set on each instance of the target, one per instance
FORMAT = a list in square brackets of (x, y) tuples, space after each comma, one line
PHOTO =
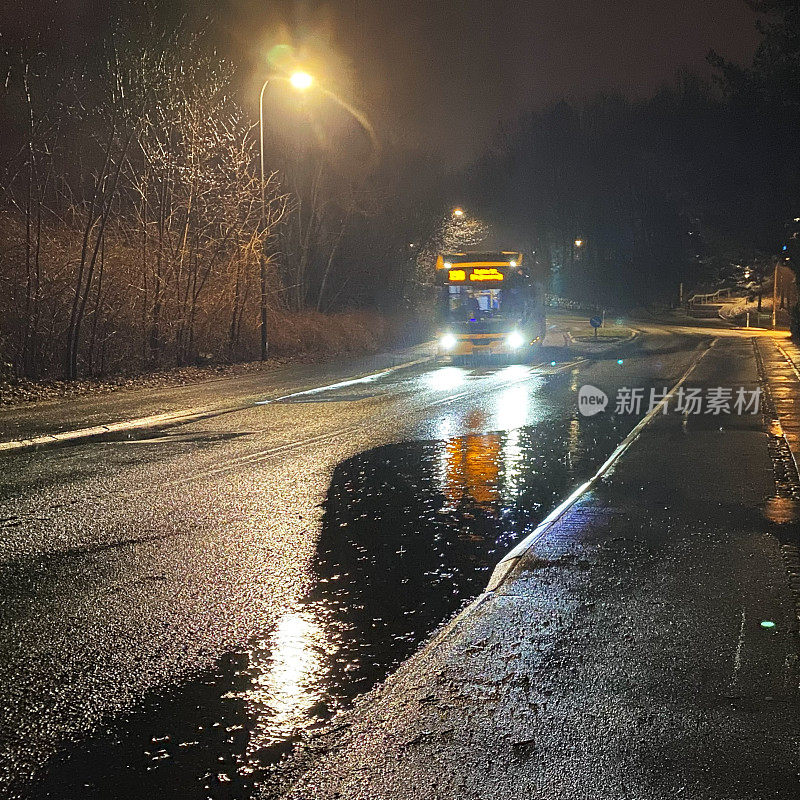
[(458, 212), (579, 243), (300, 81)]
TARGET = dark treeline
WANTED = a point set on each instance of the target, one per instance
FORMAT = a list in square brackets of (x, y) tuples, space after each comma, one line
[(676, 188)]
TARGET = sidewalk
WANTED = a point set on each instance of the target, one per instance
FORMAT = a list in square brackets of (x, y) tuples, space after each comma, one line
[(624, 654), (53, 417), (781, 362)]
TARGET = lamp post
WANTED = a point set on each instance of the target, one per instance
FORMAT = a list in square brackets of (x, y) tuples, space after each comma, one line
[(300, 81), (775, 295)]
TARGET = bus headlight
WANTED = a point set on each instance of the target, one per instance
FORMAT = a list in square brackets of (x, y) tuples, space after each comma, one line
[(515, 340), (447, 342)]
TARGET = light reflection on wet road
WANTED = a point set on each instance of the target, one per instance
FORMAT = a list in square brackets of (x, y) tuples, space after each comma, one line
[(436, 474)]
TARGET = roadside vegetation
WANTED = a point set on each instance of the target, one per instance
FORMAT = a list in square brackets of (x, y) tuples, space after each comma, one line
[(131, 229), (131, 217)]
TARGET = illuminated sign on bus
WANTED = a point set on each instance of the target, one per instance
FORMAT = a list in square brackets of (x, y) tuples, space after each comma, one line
[(475, 274), (486, 274)]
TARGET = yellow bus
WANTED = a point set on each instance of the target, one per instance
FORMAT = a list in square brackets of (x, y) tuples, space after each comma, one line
[(488, 305)]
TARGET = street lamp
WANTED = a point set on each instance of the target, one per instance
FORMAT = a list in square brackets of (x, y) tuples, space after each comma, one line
[(458, 212), (300, 81), (579, 243)]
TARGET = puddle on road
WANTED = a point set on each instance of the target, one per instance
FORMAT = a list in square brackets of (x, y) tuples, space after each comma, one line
[(782, 510), (410, 532)]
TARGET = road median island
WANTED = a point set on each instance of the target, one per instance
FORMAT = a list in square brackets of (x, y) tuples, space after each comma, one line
[(575, 333), (645, 647), (604, 345)]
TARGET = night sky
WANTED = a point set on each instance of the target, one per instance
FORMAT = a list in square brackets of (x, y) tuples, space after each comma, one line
[(446, 74)]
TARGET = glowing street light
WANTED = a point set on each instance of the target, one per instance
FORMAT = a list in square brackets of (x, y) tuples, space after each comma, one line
[(301, 80), (458, 212), (579, 243)]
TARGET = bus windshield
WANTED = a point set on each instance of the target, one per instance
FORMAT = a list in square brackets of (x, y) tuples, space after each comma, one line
[(467, 303)]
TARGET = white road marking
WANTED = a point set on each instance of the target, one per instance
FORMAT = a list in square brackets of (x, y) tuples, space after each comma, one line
[(737, 657), (329, 388)]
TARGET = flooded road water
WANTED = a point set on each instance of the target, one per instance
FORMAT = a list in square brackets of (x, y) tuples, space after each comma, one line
[(410, 532)]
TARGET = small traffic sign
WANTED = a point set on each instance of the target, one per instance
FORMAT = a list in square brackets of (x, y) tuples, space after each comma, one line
[(595, 322)]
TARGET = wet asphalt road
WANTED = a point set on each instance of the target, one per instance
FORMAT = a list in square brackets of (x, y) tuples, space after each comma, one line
[(177, 610), (644, 647)]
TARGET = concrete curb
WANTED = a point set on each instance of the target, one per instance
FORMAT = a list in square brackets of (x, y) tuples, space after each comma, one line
[(168, 419), (508, 564)]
